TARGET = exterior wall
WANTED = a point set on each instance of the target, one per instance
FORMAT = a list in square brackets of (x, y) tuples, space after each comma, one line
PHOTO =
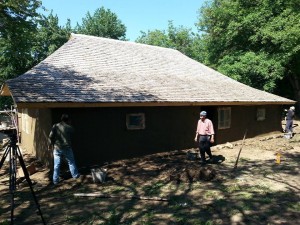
[(101, 133), (34, 126), (245, 118)]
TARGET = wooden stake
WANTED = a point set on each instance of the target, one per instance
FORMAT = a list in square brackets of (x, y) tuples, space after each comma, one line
[(237, 160)]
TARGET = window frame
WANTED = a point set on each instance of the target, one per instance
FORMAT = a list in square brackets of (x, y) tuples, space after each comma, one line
[(261, 114), (141, 123), (225, 122)]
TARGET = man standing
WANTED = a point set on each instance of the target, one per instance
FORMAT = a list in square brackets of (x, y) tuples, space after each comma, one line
[(205, 131), (60, 142), (289, 120)]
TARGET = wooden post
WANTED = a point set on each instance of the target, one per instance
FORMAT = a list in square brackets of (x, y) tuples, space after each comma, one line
[(237, 159)]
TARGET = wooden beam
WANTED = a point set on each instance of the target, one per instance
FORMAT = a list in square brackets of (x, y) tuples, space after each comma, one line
[(21, 105), (99, 195)]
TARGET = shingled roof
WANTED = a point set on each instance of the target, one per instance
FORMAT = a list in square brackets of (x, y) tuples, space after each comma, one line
[(97, 71)]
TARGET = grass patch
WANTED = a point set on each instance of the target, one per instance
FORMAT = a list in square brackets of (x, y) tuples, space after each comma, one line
[(118, 189), (153, 189), (233, 188), (245, 195), (4, 222), (148, 217), (242, 159), (212, 194), (259, 188), (294, 206), (113, 218)]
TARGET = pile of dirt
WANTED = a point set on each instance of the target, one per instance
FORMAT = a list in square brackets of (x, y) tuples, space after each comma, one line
[(175, 166)]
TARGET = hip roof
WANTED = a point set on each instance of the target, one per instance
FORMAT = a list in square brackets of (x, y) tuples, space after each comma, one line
[(96, 71)]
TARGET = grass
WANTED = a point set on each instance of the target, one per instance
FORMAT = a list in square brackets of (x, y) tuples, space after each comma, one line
[(153, 189), (294, 206), (4, 222), (212, 194), (147, 218)]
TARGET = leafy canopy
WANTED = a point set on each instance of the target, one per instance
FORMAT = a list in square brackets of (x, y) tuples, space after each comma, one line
[(17, 23), (256, 42), (179, 38), (103, 23), (49, 37)]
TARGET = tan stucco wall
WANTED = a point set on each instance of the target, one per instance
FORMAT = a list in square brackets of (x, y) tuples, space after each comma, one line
[(35, 125)]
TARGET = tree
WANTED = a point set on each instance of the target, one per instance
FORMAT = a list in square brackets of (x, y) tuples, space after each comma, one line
[(103, 23), (17, 23), (256, 42), (26, 38), (180, 38), (49, 37)]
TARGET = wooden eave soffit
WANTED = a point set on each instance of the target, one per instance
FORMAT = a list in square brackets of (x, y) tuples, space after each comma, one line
[(5, 90)]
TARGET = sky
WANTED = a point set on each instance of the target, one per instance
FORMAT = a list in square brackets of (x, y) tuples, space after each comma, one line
[(136, 15)]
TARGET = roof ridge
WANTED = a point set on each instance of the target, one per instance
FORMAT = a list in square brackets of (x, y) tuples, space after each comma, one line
[(74, 35)]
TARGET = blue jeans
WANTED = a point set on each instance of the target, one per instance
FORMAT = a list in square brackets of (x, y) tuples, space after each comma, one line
[(289, 126), (69, 156)]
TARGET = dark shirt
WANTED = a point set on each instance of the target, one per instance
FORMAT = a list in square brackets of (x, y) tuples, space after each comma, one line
[(290, 114), (61, 135)]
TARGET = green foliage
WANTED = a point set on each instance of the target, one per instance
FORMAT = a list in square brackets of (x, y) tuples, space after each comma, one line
[(16, 15), (26, 38), (254, 69), (103, 23), (49, 37), (18, 22), (256, 42), (179, 38)]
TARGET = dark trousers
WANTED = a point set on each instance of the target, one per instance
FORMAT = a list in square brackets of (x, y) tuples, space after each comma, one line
[(204, 147), (289, 126)]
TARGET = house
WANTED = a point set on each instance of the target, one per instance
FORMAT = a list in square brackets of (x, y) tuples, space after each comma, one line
[(128, 99)]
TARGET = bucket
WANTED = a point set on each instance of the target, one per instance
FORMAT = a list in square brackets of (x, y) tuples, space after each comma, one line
[(98, 175), (288, 135)]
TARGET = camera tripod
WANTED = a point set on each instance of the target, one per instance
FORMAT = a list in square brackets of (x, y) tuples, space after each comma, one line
[(12, 151)]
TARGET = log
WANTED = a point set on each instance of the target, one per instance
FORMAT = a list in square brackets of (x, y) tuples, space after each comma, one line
[(99, 195)]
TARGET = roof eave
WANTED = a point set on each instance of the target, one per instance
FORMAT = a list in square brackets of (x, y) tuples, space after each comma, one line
[(5, 90), (143, 104)]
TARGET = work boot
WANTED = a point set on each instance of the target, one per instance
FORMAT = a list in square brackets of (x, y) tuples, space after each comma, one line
[(211, 160)]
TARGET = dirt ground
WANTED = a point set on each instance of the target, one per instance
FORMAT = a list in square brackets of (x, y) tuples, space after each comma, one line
[(170, 188)]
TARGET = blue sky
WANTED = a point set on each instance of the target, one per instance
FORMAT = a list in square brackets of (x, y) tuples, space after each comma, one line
[(137, 15)]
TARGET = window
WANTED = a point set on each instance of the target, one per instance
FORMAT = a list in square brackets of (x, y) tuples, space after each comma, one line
[(261, 114), (224, 118), (135, 121)]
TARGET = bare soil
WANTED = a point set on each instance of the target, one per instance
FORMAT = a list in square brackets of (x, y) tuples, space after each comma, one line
[(170, 188)]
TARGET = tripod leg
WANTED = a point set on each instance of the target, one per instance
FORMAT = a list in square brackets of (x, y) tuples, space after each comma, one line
[(12, 177), (12, 181), (4, 156), (26, 174)]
